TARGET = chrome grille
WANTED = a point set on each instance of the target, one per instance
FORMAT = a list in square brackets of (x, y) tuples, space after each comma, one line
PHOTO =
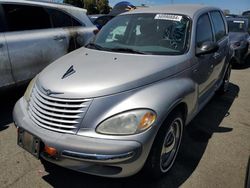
[(56, 114)]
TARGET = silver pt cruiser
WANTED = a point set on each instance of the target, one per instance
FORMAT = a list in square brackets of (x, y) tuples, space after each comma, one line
[(122, 102)]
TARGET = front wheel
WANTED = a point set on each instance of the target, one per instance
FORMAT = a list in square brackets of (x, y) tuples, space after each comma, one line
[(166, 146)]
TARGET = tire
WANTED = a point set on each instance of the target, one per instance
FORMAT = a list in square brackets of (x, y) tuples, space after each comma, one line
[(224, 86), (165, 147)]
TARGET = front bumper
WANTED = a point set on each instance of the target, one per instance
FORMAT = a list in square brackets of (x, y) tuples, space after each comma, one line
[(103, 157)]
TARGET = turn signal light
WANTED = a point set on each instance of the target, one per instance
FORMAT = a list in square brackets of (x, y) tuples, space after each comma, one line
[(147, 120), (50, 150)]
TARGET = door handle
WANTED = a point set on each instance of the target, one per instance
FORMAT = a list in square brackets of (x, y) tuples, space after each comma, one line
[(59, 37)]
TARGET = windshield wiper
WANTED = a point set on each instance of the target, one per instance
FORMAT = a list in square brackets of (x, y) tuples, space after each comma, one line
[(127, 50), (98, 47), (94, 46)]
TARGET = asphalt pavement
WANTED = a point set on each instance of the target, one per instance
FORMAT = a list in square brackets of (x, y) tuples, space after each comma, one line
[(214, 151)]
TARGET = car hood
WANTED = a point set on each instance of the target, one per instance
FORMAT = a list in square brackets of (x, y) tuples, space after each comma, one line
[(98, 73), (237, 36)]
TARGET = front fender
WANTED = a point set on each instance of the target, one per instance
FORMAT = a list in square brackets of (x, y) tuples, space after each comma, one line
[(160, 96)]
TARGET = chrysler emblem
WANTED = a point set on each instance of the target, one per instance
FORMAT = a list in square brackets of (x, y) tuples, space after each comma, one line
[(48, 92), (69, 72)]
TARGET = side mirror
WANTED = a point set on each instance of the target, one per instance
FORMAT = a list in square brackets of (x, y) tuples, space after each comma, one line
[(207, 47)]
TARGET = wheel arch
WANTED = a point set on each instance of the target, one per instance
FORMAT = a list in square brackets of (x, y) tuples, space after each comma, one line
[(181, 107)]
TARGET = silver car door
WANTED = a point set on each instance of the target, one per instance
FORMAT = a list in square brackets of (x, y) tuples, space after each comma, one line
[(32, 46), (219, 27), (31, 51), (5, 67), (205, 62)]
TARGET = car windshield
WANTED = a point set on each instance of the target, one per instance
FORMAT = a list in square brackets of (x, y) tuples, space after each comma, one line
[(161, 34), (237, 26)]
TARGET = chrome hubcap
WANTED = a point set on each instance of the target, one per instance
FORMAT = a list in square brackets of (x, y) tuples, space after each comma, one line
[(171, 144)]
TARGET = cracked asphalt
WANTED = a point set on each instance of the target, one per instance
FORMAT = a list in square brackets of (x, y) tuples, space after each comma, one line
[(214, 152)]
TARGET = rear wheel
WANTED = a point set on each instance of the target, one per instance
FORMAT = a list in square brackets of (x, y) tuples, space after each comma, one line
[(166, 146), (224, 87)]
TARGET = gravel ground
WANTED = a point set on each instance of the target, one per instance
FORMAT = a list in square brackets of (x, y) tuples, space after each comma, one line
[(214, 152)]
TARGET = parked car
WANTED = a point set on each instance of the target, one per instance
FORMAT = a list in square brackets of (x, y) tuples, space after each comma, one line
[(122, 102), (231, 15), (93, 17), (102, 20), (238, 37), (34, 34)]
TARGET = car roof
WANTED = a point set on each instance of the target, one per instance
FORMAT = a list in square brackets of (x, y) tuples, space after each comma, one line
[(185, 9), (44, 3)]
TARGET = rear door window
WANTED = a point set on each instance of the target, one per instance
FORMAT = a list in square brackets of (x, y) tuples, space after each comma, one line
[(2, 25), (203, 31), (219, 25), (24, 17), (62, 19)]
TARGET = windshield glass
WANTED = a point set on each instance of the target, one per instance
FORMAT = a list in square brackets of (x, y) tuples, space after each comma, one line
[(237, 26), (162, 34)]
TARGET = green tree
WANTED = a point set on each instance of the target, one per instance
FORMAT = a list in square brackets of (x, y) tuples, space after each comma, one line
[(77, 3), (103, 6), (91, 6)]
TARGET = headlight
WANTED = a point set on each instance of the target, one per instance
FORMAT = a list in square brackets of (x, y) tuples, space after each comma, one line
[(29, 89), (127, 123)]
